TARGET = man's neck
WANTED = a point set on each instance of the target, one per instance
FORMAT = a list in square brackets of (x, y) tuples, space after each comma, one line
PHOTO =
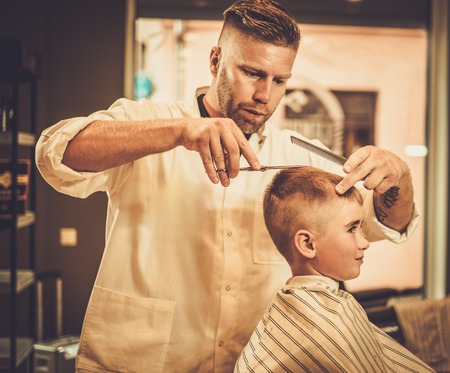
[(207, 110), (213, 113)]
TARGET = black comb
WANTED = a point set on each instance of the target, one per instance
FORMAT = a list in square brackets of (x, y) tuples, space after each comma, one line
[(324, 153)]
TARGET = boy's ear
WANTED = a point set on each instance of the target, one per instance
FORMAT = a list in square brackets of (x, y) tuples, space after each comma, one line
[(214, 59), (304, 243)]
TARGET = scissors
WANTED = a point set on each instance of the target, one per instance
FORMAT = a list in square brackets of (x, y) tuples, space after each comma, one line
[(324, 153), (265, 168)]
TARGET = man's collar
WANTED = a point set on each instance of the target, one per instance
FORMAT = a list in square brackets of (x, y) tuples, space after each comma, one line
[(198, 92), (201, 107)]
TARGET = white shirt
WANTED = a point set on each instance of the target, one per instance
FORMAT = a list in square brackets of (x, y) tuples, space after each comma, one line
[(312, 326), (188, 267)]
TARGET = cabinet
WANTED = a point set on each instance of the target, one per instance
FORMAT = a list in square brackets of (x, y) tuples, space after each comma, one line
[(17, 205)]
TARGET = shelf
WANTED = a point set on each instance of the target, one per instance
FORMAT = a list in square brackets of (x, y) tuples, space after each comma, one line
[(24, 349), (25, 278), (23, 221), (26, 220), (67, 344), (24, 138), (17, 142)]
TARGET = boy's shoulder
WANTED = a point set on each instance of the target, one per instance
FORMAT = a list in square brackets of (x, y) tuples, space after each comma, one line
[(313, 296)]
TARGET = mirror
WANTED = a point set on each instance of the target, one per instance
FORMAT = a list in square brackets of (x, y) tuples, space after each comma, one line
[(351, 86)]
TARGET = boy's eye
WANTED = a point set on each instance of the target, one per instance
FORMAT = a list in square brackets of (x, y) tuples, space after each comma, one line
[(356, 227)]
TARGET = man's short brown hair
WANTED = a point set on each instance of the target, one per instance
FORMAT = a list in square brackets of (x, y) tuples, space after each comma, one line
[(263, 20)]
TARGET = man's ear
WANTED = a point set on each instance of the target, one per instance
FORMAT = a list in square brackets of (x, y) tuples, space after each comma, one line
[(304, 243), (214, 59)]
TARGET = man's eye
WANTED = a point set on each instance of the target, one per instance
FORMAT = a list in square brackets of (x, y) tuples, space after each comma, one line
[(251, 74), (353, 229), (279, 81)]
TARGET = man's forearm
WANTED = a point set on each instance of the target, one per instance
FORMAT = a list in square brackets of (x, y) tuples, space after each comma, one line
[(106, 144), (395, 207)]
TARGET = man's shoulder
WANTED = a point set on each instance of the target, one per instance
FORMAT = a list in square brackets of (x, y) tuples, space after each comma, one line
[(153, 108)]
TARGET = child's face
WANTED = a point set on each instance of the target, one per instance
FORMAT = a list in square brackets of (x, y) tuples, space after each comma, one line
[(340, 252)]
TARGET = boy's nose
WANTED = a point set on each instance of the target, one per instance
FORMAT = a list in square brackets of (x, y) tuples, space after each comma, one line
[(363, 244)]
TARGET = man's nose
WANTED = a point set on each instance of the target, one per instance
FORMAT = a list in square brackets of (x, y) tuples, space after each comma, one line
[(262, 91)]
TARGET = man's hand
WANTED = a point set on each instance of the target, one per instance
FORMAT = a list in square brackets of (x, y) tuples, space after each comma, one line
[(389, 177), (220, 143), (379, 168)]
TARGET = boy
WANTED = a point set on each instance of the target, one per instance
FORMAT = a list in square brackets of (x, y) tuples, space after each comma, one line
[(313, 326)]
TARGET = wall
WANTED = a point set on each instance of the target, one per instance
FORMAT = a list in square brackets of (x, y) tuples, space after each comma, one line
[(81, 45), (85, 74)]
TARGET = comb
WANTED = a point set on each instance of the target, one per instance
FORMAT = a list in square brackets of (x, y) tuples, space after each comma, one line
[(324, 153)]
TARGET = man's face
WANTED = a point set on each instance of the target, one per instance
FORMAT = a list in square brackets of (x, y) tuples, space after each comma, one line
[(251, 80), (340, 251)]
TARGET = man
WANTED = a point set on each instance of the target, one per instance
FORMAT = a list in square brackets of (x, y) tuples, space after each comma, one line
[(181, 250)]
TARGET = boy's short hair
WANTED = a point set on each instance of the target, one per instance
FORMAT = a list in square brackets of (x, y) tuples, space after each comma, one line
[(301, 198), (264, 20)]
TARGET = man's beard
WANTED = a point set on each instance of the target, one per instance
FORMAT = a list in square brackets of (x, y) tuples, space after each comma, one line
[(231, 110)]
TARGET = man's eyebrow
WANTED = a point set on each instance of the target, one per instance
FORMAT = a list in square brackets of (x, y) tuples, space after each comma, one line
[(264, 73), (284, 76)]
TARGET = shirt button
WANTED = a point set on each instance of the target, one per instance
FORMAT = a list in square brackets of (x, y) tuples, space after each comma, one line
[(221, 343), (228, 288), (229, 233)]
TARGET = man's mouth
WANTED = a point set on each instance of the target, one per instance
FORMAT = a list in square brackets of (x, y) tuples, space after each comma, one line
[(254, 113)]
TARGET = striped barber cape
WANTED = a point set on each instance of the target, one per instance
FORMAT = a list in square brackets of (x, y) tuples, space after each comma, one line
[(313, 326)]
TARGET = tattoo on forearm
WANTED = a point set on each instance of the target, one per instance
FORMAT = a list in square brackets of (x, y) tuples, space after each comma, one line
[(390, 197), (381, 215)]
